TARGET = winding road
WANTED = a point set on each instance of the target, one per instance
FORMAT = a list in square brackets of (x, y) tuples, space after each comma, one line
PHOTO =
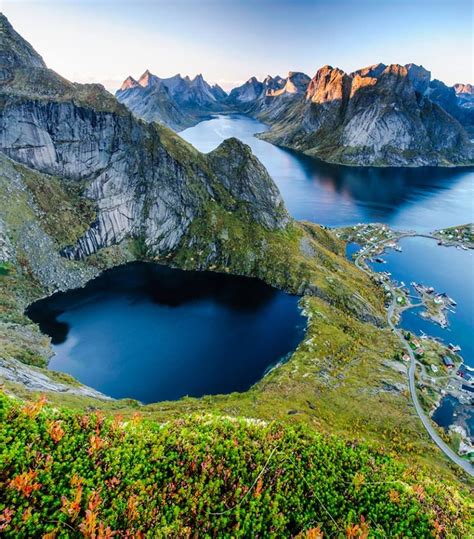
[(464, 464)]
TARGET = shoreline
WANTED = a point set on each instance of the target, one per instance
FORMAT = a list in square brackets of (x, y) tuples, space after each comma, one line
[(360, 260)]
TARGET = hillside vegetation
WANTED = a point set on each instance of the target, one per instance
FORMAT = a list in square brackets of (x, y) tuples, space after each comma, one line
[(70, 474)]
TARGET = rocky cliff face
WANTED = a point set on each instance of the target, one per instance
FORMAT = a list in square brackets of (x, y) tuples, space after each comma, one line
[(249, 92), (380, 115), (145, 181), (177, 102)]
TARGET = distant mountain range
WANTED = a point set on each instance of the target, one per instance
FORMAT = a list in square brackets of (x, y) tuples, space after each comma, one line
[(381, 115), (177, 101)]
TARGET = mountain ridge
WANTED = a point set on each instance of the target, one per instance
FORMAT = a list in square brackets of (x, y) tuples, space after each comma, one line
[(177, 102), (377, 116)]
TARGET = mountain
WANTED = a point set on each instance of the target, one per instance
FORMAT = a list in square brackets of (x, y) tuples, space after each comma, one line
[(379, 115), (143, 179), (177, 102), (253, 94), (447, 98), (248, 92), (465, 95)]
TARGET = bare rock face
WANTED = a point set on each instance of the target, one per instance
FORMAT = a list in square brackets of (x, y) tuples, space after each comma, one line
[(419, 77), (464, 89), (453, 103), (380, 115), (146, 182), (237, 167), (295, 83)]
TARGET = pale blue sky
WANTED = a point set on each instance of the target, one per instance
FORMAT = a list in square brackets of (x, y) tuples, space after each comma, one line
[(230, 40)]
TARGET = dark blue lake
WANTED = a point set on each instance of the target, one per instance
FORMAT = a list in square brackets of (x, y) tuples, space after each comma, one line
[(154, 333)]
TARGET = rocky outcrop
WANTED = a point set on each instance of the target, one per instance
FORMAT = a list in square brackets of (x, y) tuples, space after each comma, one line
[(177, 102), (380, 115), (295, 83), (35, 379), (237, 168), (269, 96), (248, 92)]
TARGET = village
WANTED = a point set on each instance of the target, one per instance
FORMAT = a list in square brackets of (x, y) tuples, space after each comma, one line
[(441, 373), (440, 370), (461, 236)]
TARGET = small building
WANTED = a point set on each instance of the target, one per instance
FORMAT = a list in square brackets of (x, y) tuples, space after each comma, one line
[(419, 351), (406, 357), (448, 362), (434, 368)]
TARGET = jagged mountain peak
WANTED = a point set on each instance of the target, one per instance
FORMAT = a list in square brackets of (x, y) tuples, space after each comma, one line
[(329, 84), (374, 70), (128, 83), (419, 76), (147, 79), (461, 88)]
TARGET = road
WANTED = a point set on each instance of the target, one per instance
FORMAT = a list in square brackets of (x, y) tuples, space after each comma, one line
[(454, 457)]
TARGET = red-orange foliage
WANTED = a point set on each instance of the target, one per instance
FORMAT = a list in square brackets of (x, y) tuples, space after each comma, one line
[(32, 409), (95, 444), (358, 530), (5, 518), (25, 483), (55, 431)]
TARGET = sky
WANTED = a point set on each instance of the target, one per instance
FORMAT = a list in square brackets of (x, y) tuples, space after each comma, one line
[(229, 41)]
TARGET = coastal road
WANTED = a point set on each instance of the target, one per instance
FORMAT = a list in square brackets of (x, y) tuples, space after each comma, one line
[(454, 457)]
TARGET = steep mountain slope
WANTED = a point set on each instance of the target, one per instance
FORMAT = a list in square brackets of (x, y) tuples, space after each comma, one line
[(380, 115), (177, 102), (140, 185)]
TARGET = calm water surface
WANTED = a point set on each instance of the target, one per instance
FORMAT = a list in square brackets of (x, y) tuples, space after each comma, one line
[(154, 333), (417, 199)]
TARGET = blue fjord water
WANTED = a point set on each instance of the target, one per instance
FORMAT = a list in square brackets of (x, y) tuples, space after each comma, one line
[(154, 333), (421, 199)]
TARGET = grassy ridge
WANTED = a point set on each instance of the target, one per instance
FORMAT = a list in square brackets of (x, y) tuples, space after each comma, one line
[(71, 474)]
